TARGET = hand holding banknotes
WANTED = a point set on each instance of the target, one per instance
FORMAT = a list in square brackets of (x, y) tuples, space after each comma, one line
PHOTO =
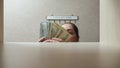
[(42, 39), (52, 32), (51, 40)]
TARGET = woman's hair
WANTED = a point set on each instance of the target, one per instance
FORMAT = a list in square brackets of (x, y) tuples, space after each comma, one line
[(74, 27)]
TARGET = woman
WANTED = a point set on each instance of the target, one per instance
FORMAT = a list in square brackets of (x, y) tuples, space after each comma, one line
[(71, 28)]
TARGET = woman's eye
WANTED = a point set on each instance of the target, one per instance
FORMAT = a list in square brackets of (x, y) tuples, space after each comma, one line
[(71, 32)]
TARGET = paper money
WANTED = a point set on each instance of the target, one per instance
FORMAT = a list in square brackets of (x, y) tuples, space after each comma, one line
[(53, 30), (44, 29), (63, 34)]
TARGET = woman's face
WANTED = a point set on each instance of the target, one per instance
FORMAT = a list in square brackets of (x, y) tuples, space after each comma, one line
[(71, 30)]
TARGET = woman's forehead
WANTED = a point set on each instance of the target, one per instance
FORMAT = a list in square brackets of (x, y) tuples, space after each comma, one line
[(67, 26)]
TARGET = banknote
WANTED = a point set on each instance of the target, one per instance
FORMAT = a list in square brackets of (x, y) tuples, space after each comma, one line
[(58, 32), (53, 30), (44, 29), (63, 34)]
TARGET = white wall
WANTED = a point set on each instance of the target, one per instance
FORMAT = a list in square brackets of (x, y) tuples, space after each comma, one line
[(110, 21), (1, 21), (22, 18)]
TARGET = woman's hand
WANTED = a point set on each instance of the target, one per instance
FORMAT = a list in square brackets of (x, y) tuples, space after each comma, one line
[(58, 39), (50, 40), (42, 39), (54, 40)]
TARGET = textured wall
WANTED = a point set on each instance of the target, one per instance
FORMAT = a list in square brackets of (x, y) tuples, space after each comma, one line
[(1, 21), (22, 18)]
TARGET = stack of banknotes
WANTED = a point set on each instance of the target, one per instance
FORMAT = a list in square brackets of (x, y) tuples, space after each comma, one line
[(53, 30)]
